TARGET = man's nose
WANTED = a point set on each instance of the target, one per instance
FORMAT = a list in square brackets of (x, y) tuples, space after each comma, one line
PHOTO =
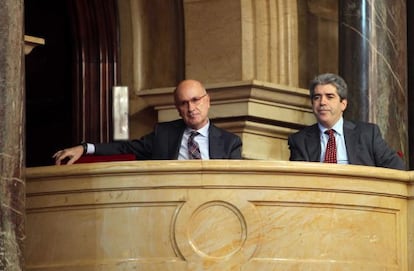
[(191, 105)]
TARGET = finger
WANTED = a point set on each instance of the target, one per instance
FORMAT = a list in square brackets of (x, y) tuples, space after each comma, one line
[(59, 156), (56, 154), (72, 160), (59, 159), (59, 153)]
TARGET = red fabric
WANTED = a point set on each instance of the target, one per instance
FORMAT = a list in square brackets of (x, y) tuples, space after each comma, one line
[(105, 158), (330, 154)]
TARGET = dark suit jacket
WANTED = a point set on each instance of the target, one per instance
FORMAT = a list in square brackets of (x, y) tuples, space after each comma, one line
[(164, 143), (364, 146)]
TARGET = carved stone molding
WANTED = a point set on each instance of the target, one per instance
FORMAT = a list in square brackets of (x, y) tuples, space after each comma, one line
[(31, 42)]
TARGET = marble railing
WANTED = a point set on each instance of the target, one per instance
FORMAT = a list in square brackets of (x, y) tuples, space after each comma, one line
[(219, 215)]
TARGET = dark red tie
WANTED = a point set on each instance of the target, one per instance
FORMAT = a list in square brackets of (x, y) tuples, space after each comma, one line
[(330, 154), (193, 149)]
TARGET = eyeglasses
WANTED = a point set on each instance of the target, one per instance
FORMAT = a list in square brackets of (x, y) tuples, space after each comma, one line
[(195, 101)]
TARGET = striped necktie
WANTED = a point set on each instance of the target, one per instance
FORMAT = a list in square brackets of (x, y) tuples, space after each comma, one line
[(193, 149)]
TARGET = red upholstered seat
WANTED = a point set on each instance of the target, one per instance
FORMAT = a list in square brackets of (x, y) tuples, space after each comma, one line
[(105, 158)]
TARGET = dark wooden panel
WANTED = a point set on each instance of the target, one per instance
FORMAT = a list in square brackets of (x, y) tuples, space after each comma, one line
[(69, 79), (95, 35)]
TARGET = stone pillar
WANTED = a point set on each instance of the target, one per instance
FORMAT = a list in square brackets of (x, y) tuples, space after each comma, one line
[(234, 40), (373, 61), (12, 185)]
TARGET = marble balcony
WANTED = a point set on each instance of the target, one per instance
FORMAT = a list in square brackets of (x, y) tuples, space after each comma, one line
[(219, 215)]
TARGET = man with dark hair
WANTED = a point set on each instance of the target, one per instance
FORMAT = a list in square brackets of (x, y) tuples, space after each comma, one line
[(335, 140)]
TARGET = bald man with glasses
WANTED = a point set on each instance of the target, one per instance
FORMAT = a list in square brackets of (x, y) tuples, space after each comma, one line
[(191, 137)]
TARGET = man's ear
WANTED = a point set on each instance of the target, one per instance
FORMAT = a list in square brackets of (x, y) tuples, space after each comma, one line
[(344, 103), (208, 100)]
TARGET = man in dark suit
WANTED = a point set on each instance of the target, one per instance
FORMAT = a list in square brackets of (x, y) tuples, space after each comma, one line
[(174, 139), (356, 143)]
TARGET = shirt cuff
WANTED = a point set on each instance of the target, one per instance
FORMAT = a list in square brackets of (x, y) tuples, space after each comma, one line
[(90, 148)]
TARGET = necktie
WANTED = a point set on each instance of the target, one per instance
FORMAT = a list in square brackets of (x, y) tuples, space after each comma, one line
[(193, 149), (330, 154)]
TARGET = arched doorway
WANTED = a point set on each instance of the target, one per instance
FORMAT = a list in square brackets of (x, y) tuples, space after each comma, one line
[(69, 79)]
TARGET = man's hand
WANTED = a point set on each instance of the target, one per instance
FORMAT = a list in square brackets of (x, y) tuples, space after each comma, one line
[(73, 154)]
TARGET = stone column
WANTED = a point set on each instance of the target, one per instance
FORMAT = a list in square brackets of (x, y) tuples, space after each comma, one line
[(373, 60), (12, 186), (234, 40)]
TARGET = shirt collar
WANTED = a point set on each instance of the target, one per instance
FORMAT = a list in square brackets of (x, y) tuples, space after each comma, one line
[(202, 131), (338, 127)]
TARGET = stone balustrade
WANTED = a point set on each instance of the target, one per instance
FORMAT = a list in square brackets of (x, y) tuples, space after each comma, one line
[(219, 215)]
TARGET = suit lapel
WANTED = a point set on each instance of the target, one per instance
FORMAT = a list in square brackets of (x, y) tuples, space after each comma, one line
[(351, 142), (175, 136), (313, 144), (215, 142)]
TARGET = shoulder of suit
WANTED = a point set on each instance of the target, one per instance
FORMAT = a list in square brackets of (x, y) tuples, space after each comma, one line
[(214, 130), (307, 130), (173, 123), (359, 125)]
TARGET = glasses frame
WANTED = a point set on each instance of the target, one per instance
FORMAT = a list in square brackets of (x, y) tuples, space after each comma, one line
[(195, 101)]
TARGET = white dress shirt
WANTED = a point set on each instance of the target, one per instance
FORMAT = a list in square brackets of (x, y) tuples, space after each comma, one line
[(201, 139), (341, 155)]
